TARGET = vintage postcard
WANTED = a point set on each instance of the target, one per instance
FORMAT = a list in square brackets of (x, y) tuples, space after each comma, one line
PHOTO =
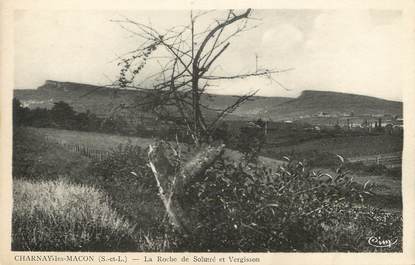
[(207, 133)]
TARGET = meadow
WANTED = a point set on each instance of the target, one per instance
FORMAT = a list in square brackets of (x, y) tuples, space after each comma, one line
[(65, 178), (350, 146), (97, 141), (321, 153)]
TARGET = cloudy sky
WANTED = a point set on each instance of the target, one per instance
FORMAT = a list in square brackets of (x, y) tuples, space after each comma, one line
[(355, 51)]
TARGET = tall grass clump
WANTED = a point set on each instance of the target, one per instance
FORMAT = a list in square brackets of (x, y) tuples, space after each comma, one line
[(58, 216)]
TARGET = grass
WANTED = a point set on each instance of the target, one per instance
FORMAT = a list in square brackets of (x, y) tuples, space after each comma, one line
[(55, 215), (322, 156), (34, 158), (98, 141), (349, 146)]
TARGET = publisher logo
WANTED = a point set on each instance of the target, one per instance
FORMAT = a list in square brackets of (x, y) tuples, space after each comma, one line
[(379, 242)]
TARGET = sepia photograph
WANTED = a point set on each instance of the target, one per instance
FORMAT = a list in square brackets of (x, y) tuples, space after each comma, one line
[(208, 130)]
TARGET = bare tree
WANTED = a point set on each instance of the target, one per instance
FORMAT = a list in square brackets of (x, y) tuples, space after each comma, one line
[(185, 58), (183, 62)]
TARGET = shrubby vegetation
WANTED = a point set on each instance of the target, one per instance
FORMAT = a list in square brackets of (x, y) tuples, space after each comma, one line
[(126, 176), (244, 207), (248, 208), (63, 116)]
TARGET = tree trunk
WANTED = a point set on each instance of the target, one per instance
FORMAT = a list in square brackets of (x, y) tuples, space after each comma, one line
[(171, 182)]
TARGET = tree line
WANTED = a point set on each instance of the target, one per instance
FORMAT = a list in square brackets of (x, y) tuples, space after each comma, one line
[(63, 116)]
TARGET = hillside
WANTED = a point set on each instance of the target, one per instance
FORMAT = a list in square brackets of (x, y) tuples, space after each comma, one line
[(101, 100), (334, 103), (250, 109), (82, 97)]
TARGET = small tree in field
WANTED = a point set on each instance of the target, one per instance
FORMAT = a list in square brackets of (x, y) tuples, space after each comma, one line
[(185, 57)]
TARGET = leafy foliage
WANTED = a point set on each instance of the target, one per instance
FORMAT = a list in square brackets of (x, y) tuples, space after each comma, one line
[(125, 175), (245, 207), (251, 140), (254, 209)]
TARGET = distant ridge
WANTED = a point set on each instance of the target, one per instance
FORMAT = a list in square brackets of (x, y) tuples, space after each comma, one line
[(101, 100), (312, 102), (322, 93)]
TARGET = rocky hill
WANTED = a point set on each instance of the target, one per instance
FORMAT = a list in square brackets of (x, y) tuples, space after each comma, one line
[(101, 100)]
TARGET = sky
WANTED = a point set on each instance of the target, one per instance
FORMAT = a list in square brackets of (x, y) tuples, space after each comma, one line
[(352, 51)]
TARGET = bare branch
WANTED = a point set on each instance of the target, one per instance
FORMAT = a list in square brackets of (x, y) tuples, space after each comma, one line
[(259, 73), (217, 28), (206, 68), (231, 108)]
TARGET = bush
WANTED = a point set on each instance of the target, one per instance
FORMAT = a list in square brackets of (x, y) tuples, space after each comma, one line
[(63, 217), (250, 208), (125, 176), (244, 207), (250, 142)]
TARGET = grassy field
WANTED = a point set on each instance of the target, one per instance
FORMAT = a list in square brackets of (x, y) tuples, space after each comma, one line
[(34, 158), (65, 178), (357, 146), (350, 146), (108, 142), (321, 154), (98, 141), (346, 146)]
